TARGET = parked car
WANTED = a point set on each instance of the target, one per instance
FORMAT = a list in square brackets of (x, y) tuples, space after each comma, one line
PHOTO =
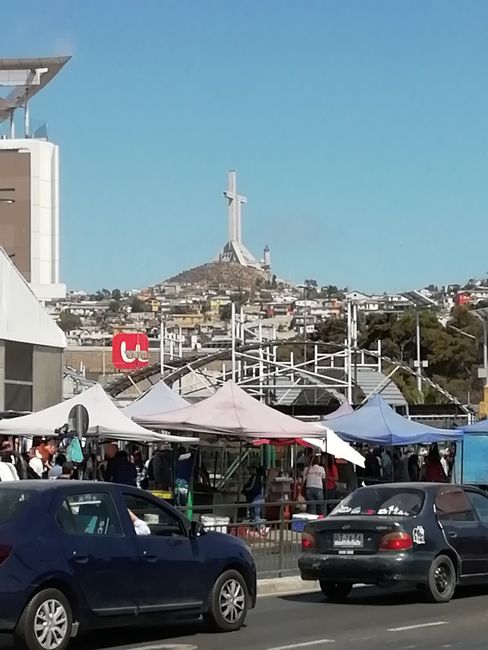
[(434, 536), (70, 561)]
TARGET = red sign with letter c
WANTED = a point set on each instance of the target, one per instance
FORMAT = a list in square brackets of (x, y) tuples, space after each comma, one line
[(130, 351)]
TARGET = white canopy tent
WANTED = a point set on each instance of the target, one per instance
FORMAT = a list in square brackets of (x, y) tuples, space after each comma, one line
[(337, 447), (158, 399), (105, 420), (232, 412)]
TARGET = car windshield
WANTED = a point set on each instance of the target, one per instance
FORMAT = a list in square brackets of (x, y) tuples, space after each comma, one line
[(12, 501), (387, 502)]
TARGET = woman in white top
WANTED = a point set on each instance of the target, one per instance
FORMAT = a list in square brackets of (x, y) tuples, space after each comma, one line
[(314, 486)]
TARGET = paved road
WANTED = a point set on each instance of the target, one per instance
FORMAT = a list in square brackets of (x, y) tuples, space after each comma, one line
[(372, 620)]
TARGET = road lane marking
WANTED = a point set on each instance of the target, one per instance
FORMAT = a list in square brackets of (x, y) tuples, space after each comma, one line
[(160, 646), (306, 644), (405, 628)]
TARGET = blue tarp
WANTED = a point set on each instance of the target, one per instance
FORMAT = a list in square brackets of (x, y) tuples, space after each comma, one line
[(377, 423), (477, 429)]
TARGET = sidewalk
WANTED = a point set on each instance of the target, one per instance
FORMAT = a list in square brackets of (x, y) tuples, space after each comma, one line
[(285, 586)]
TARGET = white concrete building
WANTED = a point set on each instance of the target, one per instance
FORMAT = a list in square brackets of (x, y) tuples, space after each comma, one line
[(29, 178), (31, 234), (31, 346)]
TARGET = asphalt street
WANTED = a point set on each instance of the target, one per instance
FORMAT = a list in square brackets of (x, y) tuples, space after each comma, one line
[(371, 620)]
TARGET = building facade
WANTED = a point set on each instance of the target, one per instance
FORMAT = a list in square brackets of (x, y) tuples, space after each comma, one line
[(29, 212), (31, 346)]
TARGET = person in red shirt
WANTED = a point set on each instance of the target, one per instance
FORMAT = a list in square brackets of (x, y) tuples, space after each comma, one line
[(433, 470), (332, 476)]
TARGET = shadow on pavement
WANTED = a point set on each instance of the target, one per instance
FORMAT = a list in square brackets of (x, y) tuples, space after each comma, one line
[(375, 597), (132, 636)]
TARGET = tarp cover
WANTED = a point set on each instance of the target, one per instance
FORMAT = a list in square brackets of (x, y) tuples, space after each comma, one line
[(158, 399), (105, 420), (377, 423), (477, 429), (232, 411)]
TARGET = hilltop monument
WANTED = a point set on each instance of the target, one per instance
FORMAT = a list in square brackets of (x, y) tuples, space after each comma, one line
[(234, 250)]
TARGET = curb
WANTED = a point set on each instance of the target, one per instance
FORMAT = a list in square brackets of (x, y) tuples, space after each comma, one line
[(285, 586)]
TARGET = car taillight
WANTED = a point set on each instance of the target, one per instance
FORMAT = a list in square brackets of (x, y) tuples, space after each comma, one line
[(5, 552), (396, 542), (308, 542)]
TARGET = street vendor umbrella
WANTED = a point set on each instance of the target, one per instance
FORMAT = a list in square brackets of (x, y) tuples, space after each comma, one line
[(230, 411), (377, 423)]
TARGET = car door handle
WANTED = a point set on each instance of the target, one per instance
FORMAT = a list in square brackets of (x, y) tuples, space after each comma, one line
[(81, 559), (148, 557), (452, 534)]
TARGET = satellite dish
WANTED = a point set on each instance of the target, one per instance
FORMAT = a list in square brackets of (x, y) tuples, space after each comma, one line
[(78, 420)]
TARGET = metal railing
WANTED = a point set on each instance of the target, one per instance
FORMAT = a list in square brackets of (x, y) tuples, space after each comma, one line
[(275, 540)]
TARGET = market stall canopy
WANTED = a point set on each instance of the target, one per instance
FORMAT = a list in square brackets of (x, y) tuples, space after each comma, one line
[(477, 429), (377, 423), (105, 420), (337, 447), (330, 443), (231, 411), (158, 399), (344, 409)]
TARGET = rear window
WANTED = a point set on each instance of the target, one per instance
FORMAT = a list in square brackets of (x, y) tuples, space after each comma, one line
[(383, 502), (12, 501)]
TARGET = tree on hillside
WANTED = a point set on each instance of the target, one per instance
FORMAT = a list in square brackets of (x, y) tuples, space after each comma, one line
[(138, 306), (330, 330), (68, 321)]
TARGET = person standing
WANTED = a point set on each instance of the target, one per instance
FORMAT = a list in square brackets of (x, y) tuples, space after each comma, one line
[(386, 466), (254, 493), (433, 470), (332, 478), (314, 486)]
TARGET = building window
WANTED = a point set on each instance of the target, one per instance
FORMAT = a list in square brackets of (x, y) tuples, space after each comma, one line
[(18, 376)]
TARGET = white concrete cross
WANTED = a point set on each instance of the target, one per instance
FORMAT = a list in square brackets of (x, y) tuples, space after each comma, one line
[(234, 209)]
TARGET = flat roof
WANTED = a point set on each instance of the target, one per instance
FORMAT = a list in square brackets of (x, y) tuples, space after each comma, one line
[(26, 77)]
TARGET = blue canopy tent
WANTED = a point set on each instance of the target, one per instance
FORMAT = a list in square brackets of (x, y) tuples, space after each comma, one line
[(471, 465), (477, 429), (377, 423)]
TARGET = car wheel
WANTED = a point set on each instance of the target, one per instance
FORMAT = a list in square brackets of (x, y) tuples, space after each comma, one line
[(336, 591), (228, 603), (442, 580), (46, 622)]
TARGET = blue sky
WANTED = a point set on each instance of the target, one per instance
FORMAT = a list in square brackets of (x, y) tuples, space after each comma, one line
[(358, 129)]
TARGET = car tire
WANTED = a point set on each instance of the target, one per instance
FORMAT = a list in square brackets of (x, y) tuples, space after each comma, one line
[(442, 580), (49, 608), (336, 591), (228, 603)]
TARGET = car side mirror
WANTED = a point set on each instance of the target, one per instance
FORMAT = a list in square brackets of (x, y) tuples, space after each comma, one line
[(196, 529)]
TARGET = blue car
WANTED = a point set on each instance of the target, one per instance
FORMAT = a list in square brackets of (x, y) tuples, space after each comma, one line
[(79, 555)]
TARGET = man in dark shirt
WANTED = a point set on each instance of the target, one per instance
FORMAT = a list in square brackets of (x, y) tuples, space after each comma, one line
[(121, 470)]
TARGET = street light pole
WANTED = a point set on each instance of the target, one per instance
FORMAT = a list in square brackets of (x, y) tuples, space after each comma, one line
[(419, 360), (485, 353)]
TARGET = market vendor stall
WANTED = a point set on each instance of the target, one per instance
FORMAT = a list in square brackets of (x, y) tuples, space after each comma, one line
[(106, 421), (377, 423)]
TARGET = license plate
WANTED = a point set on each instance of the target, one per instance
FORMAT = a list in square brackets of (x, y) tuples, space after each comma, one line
[(348, 540)]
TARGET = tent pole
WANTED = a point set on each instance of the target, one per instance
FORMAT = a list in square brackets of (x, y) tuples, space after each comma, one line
[(239, 476), (462, 462), (233, 339)]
